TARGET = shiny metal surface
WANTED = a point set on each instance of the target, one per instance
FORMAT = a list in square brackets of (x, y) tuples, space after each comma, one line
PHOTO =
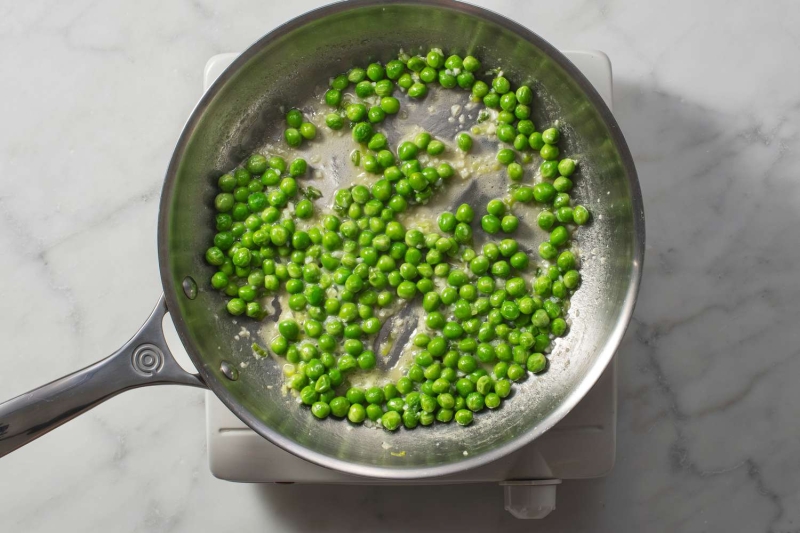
[(241, 113), (143, 360)]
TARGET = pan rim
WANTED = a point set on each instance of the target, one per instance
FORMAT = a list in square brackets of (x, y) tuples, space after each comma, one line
[(605, 354)]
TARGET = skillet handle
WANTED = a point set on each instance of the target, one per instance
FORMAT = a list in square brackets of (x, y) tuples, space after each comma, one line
[(143, 360)]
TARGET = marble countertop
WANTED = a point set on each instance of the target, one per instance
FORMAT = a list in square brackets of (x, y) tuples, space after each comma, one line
[(94, 95)]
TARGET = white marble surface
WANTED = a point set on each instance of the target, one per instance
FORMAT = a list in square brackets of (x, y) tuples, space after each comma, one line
[(93, 97)]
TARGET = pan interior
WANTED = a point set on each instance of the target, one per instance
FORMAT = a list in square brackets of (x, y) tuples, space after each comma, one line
[(242, 113)]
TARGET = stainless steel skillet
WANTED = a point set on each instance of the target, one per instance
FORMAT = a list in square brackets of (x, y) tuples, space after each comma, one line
[(242, 110)]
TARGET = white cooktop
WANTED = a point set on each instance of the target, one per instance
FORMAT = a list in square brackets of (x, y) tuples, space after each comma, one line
[(581, 446)]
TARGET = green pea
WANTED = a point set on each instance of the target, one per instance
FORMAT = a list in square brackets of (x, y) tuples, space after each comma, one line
[(416, 374), (293, 137), (564, 215), (508, 247), (479, 90), (434, 59), (294, 118), (375, 72), (506, 133), (542, 286), (321, 410), (308, 395), (417, 90), (506, 117), (219, 280), (362, 132), (501, 85), (524, 95), (406, 290), (437, 345), (545, 219), (535, 140), (463, 417), (501, 269), (551, 135), (549, 169), (558, 327), (464, 142), (340, 407), (418, 181), (544, 192), (465, 80), (389, 391), (515, 372), (522, 111), (378, 141), (394, 69), (580, 215), (308, 131), (280, 346), (547, 251), (463, 233), (490, 224), (475, 401), (224, 202), (214, 255), (333, 97), (549, 152), (428, 74), (561, 200), (562, 184), (374, 412), (356, 75), (509, 224), (447, 80), (492, 400), (385, 159), (465, 213), (433, 371), (453, 62), (407, 151), (572, 279), (508, 102), (521, 143), (525, 127), (506, 156), (470, 64), (483, 386), (559, 236), (464, 386), (436, 147), (367, 360), (536, 363), (236, 306), (405, 81), (519, 260), (566, 167), (566, 261), (456, 278), (502, 388), (227, 182), (388, 106)]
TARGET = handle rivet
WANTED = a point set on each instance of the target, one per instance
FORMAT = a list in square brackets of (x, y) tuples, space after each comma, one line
[(229, 371), (189, 287)]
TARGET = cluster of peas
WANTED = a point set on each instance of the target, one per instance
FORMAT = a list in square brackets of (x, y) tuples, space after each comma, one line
[(298, 129), (343, 270), (252, 229)]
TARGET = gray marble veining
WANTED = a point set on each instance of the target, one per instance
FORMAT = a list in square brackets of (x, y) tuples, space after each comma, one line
[(93, 97)]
